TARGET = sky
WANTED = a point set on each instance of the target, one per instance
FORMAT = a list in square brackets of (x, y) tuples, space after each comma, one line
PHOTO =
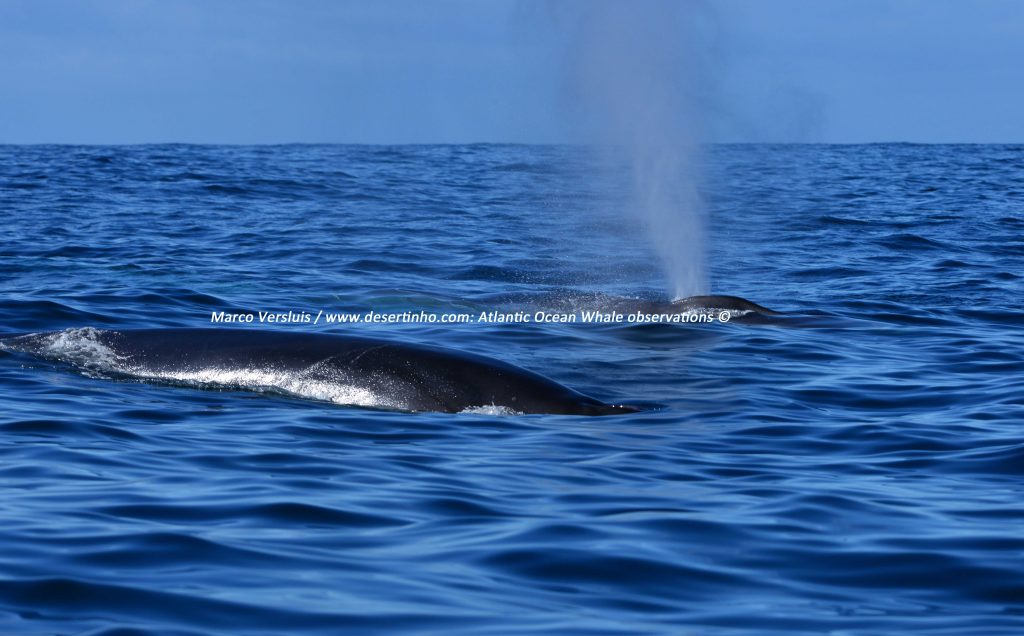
[(459, 71)]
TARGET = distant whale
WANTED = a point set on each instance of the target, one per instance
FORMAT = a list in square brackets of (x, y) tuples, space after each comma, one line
[(341, 369), (728, 303), (570, 301)]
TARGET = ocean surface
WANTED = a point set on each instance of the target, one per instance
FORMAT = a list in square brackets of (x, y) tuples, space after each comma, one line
[(855, 466)]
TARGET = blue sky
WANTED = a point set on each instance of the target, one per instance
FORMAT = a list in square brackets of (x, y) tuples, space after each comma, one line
[(415, 71)]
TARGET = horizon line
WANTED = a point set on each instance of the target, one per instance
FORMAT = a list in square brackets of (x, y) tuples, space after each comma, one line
[(500, 143)]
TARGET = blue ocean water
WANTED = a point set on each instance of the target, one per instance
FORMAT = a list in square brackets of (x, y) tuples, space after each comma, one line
[(854, 467)]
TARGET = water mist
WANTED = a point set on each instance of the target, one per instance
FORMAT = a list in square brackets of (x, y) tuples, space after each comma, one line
[(634, 85)]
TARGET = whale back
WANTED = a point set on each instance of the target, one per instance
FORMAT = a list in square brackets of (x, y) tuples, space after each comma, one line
[(730, 303), (341, 369)]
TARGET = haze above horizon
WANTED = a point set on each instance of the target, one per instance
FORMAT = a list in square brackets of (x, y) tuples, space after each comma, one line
[(459, 71)]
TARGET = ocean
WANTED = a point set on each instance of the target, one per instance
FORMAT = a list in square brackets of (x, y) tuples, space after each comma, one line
[(854, 466)]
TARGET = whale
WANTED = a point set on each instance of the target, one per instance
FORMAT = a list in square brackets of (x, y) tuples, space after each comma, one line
[(342, 369), (570, 301), (718, 303)]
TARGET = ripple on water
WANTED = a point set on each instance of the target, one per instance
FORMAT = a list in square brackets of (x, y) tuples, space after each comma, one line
[(852, 466)]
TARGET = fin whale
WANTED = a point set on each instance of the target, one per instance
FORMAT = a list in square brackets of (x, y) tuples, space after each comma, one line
[(731, 303), (568, 301), (342, 369)]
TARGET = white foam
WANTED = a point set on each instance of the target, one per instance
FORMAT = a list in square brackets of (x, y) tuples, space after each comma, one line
[(80, 347), (490, 410), (286, 382)]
